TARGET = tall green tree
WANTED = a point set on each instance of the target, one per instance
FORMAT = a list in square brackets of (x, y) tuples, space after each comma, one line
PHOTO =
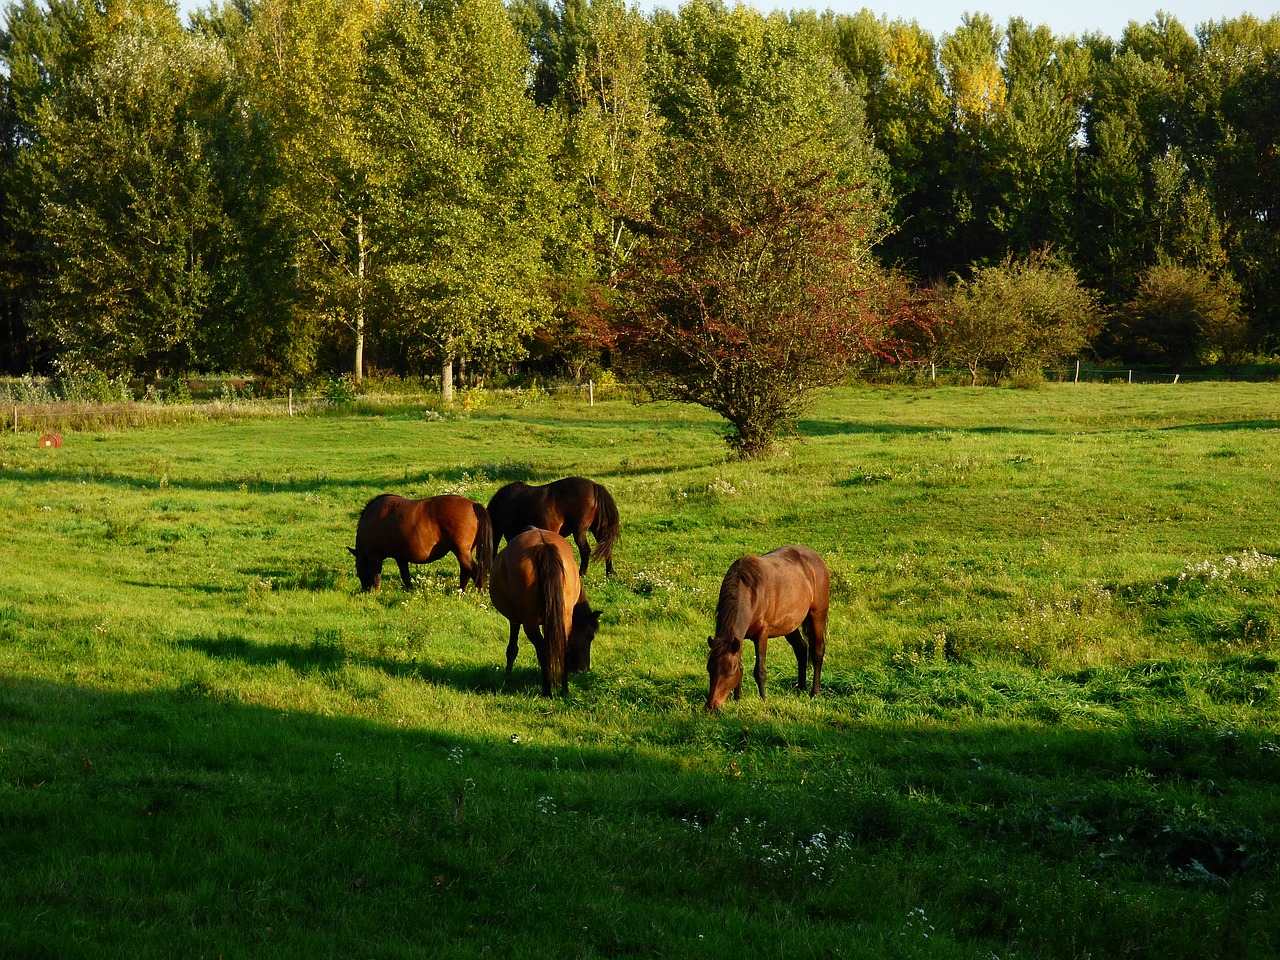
[(606, 165), (43, 46), (465, 199), (131, 217), (303, 63)]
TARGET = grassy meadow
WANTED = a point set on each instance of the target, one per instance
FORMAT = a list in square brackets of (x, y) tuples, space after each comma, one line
[(1049, 727)]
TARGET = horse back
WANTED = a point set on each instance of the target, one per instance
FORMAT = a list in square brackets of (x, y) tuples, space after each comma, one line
[(406, 529), (778, 590), (514, 582), (797, 561)]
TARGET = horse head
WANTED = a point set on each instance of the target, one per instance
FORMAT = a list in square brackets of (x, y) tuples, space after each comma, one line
[(585, 624), (724, 669)]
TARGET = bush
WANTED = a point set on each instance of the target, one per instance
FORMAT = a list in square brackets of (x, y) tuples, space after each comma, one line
[(26, 389), (340, 391), (1184, 314), (1017, 315), (1026, 378), (88, 385)]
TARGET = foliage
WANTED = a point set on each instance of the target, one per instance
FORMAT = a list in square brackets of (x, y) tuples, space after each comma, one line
[(131, 212), (465, 200), (303, 61), (1019, 314), (1184, 314), (256, 213)]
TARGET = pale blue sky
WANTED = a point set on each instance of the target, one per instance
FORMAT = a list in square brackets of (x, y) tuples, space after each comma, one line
[(1075, 16)]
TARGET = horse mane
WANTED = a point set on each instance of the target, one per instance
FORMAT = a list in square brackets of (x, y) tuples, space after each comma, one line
[(741, 575), (500, 507)]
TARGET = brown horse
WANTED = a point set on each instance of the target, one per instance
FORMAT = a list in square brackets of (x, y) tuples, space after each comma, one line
[(571, 506), (534, 583), (422, 531), (770, 596)]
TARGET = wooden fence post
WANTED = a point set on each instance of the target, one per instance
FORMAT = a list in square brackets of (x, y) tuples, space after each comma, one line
[(1131, 376), (291, 401), (1077, 380), (933, 372), (591, 392), (1176, 376)]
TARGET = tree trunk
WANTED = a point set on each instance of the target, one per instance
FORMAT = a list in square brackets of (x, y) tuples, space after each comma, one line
[(462, 371), (360, 261), (446, 381)]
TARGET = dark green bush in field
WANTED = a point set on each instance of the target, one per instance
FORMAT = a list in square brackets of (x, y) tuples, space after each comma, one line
[(1184, 314), (1017, 315)]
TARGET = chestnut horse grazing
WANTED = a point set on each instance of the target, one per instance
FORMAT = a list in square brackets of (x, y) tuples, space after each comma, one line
[(770, 596), (570, 507), (422, 531), (535, 584)]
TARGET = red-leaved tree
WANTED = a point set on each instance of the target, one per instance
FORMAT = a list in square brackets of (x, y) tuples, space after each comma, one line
[(754, 284)]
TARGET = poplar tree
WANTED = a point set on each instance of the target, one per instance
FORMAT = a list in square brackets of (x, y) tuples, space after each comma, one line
[(465, 200)]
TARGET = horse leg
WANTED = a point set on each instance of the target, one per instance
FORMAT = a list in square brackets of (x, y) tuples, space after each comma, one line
[(404, 573), (534, 633), (584, 550), (513, 646), (796, 639), (466, 570), (762, 644), (816, 627)]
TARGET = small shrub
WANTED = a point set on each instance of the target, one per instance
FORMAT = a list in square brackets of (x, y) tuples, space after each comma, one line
[(85, 384), (341, 391), (1026, 378), (1017, 315), (475, 398), (1185, 314)]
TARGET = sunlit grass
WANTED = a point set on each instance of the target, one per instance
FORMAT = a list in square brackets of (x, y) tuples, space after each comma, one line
[(1049, 724)]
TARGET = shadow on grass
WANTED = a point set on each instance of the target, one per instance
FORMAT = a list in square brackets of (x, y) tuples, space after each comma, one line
[(832, 428), (322, 655), (151, 823), (491, 472), (1227, 426)]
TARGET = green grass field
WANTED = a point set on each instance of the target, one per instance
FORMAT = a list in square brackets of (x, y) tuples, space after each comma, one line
[(1049, 725)]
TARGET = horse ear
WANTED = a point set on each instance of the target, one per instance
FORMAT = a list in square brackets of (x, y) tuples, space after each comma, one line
[(352, 551), (711, 641)]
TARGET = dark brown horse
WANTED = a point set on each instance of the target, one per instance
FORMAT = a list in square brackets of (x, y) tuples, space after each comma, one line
[(534, 584), (570, 507), (422, 531), (770, 596)]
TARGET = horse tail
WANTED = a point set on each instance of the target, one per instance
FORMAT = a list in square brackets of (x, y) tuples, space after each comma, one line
[(606, 525), (550, 571), (482, 547)]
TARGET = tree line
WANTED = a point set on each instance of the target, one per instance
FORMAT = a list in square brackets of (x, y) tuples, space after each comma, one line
[(302, 187)]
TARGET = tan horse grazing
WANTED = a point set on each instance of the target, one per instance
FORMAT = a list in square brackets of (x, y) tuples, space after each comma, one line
[(422, 531), (535, 583), (770, 596)]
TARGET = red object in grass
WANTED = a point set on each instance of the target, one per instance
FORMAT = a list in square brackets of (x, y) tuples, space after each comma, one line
[(51, 440)]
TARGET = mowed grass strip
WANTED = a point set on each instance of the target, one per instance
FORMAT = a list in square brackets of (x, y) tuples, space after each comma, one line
[(1049, 725)]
